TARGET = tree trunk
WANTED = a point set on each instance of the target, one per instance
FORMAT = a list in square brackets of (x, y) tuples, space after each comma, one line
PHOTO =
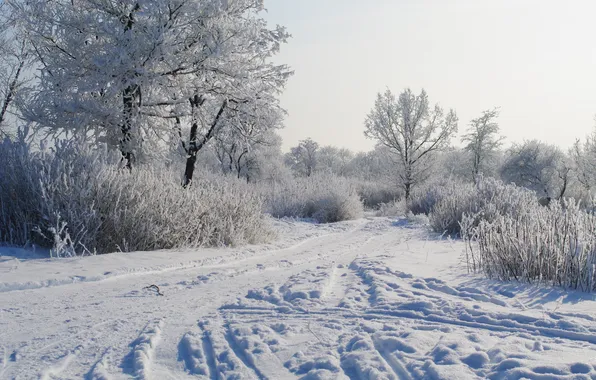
[(191, 157), (130, 98), (239, 163), (476, 168), (12, 87), (408, 182), (194, 145), (565, 179)]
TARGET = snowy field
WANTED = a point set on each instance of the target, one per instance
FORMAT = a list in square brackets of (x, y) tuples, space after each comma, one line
[(368, 299)]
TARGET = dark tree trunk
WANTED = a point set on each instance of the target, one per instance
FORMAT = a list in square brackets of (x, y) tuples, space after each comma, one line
[(191, 158), (194, 145), (565, 179), (239, 163), (12, 87), (130, 98), (408, 181)]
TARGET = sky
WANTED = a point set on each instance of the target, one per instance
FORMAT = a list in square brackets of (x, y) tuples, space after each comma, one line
[(536, 60)]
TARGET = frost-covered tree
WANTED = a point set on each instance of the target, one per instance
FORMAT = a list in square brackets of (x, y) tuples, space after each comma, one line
[(132, 72), (412, 130), (243, 136), (583, 158), (375, 165), (303, 158), (538, 166), (450, 163), (15, 59), (266, 162), (482, 141), (334, 160), (239, 148)]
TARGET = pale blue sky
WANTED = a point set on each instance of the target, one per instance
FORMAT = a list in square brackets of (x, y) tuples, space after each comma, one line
[(534, 59)]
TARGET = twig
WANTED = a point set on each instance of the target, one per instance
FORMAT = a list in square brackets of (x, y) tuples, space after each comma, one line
[(154, 287)]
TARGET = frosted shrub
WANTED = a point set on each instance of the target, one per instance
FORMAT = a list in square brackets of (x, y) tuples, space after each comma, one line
[(419, 219), (446, 203), (18, 192), (76, 202), (553, 245), (375, 194), (394, 208), (455, 199), (423, 199), (325, 198)]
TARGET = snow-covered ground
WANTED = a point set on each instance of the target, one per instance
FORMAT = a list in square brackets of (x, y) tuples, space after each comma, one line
[(368, 299)]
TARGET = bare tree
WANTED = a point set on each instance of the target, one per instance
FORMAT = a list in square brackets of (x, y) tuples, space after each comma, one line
[(538, 166), (411, 130), (303, 158), (482, 141)]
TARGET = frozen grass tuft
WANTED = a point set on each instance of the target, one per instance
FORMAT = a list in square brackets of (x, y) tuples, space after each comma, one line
[(554, 245), (510, 236), (74, 201), (446, 203), (325, 198), (394, 208), (375, 194)]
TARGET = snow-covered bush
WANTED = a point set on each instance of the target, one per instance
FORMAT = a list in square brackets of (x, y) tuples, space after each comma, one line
[(325, 198), (553, 245), (419, 219), (375, 193), (423, 199), (75, 201), (446, 203), (394, 208), (453, 201), (487, 199), (538, 166)]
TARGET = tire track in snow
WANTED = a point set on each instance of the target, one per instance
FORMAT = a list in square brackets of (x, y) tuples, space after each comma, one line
[(328, 287), (240, 353), (386, 315), (207, 263), (209, 353), (360, 360), (396, 365), (143, 350), (59, 367), (227, 364), (99, 371), (190, 351), (63, 363), (513, 328), (392, 361), (423, 304)]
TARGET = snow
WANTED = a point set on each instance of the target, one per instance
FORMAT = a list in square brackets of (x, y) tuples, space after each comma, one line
[(373, 298)]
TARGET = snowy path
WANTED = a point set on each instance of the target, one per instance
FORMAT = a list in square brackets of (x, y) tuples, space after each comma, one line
[(368, 299)]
